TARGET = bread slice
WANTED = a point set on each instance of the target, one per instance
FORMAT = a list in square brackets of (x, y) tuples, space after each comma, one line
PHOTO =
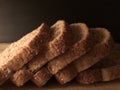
[(58, 44), (41, 77), (80, 47), (66, 75), (102, 45), (16, 55), (106, 70), (78, 29)]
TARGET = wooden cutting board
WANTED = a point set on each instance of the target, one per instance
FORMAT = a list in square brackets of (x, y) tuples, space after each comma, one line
[(54, 85)]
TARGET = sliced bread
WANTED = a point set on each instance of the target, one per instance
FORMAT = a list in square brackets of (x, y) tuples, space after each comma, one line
[(58, 44), (105, 70), (41, 77), (16, 55), (102, 46), (78, 29), (80, 46)]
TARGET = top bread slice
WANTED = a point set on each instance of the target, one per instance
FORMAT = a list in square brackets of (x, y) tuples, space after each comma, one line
[(102, 45), (16, 55), (105, 70), (81, 39), (60, 41)]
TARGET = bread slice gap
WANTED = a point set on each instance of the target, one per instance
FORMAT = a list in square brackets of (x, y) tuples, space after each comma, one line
[(106, 70), (16, 55), (78, 29), (102, 46), (59, 42)]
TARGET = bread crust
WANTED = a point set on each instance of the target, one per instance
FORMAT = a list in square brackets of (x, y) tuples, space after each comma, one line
[(66, 74), (18, 76), (78, 49), (109, 69), (102, 46), (81, 78), (16, 55), (67, 57), (76, 46), (59, 42), (41, 77), (57, 45)]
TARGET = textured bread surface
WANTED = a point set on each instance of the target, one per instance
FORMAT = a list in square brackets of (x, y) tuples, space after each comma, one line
[(66, 74), (102, 46), (21, 73), (62, 51), (80, 47), (59, 42), (64, 42), (41, 77), (78, 35), (107, 69), (16, 55)]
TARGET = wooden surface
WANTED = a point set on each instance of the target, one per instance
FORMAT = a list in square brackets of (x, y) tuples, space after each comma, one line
[(113, 85), (53, 85)]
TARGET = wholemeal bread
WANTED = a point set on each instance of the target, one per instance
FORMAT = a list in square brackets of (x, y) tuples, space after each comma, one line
[(22, 51), (60, 41), (80, 47), (102, 45), (41, 77), (66, 74), (78, 29), (25, 74), (105, 70), (58, 44)]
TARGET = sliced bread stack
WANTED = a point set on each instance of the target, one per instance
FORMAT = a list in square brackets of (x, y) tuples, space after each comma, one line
[(101, 48), (19, 53), (62, 51), (81, 39), (58, 44), (105, 70)]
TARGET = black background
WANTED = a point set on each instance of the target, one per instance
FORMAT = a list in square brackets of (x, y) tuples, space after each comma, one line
[(18, 17)]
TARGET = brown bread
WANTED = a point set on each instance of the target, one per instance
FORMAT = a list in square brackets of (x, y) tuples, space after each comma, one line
[(78, 29), (106, 70), (58, 44), (41, 77), (16, 55), (102, 46), (80, 47)]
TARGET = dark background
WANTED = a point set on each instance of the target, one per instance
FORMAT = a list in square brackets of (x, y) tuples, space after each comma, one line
[(18, 17)]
